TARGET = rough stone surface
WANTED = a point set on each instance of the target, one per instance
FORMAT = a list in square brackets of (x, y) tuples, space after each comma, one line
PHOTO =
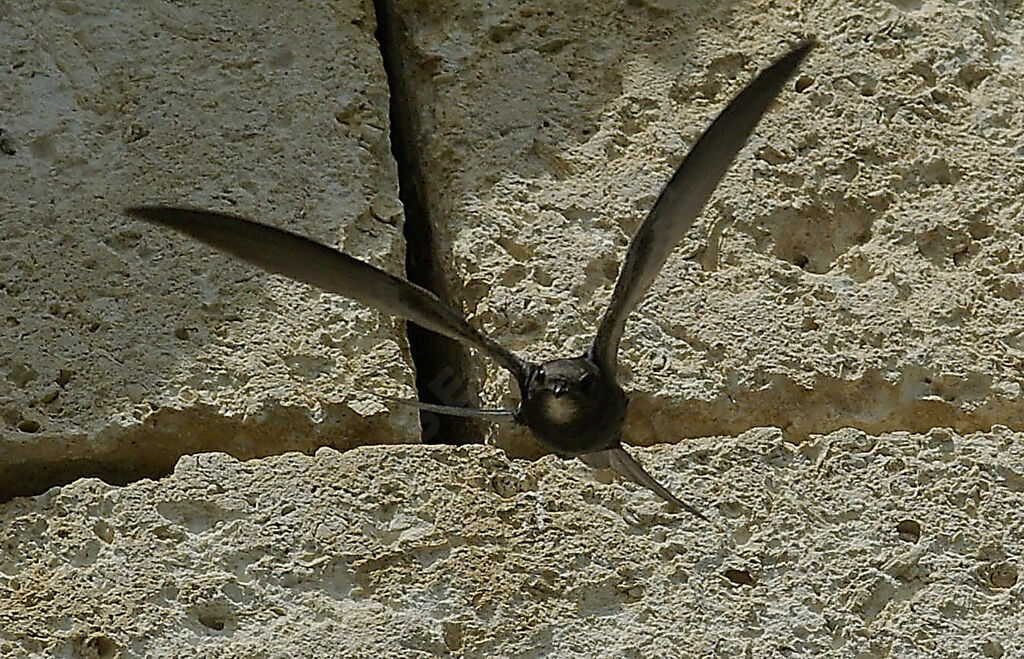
[(125, 346), (859, 264), (847, 545)]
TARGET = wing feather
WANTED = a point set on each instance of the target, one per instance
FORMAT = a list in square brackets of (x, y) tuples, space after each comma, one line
[(682, 200), (305, 260)]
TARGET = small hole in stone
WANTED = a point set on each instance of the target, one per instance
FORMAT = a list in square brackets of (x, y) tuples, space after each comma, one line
[(64, 376), (29, 425), (453, 635), (5, 145), (739, 577), (803, 82), (100, 646), (1004, 575), (181, 333), (909, 530), (993, 648), (810, 324), (21, 375), (212, 621), (103, 531)]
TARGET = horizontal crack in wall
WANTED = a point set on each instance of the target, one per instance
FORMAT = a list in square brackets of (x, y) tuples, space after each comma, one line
[(120, 455), (916, 403)]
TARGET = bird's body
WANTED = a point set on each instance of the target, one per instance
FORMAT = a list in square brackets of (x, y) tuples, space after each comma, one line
[(572, 407)]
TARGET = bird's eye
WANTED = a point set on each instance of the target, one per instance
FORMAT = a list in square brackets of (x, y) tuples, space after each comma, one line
[(588, 381)]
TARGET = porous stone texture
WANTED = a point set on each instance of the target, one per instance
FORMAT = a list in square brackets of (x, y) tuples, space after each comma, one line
[(858, 266), (848, 545), (126, 346)]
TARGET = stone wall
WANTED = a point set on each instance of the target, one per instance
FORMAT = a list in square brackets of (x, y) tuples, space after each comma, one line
[(127, 347), (829, 365)]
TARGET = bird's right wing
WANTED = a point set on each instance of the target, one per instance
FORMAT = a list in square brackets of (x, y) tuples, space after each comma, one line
[(305, 260)]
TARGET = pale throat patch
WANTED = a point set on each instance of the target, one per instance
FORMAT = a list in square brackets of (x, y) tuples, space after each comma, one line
[(560, 410)]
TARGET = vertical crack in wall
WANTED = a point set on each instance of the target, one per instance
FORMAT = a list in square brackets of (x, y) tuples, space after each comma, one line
[(439, 361)]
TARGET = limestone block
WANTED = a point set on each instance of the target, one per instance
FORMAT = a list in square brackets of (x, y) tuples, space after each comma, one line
[(126, 346), (848, 545), (858, 266)]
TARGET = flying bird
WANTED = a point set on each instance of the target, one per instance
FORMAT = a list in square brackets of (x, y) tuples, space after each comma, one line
[(573, 406)]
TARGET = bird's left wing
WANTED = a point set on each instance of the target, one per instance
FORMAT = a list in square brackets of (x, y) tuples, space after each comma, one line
[(682, 200)]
